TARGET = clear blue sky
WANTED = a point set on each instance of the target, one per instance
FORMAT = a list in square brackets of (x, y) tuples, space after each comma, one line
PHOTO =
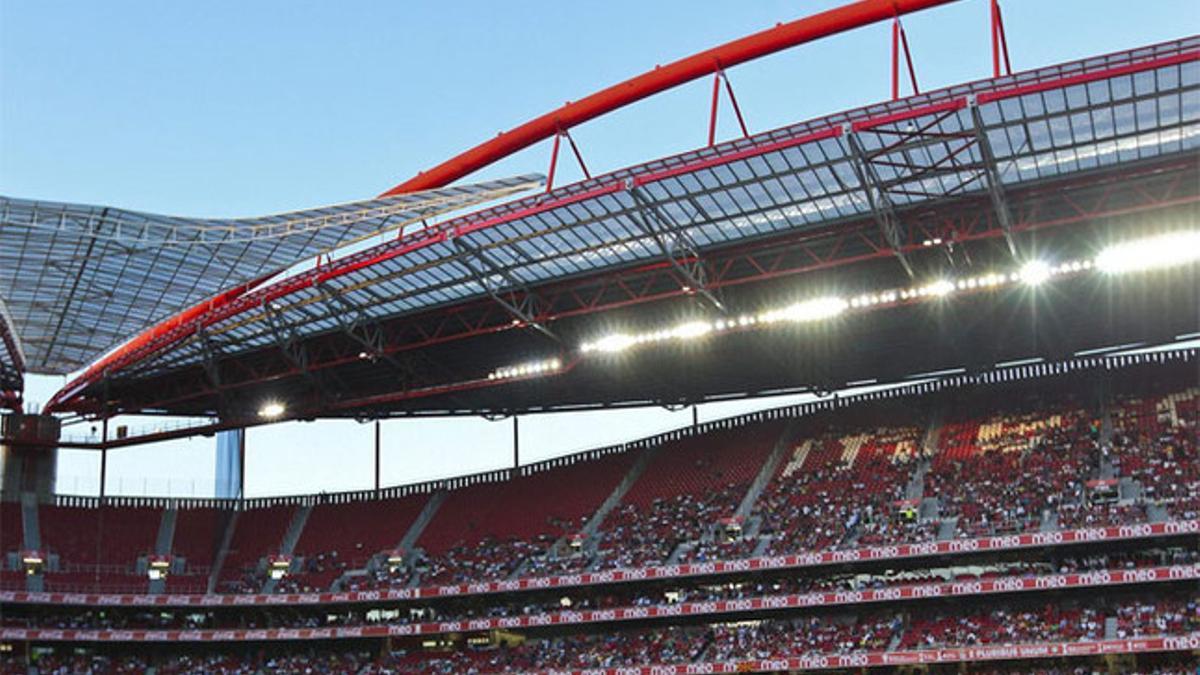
[(236, 108)]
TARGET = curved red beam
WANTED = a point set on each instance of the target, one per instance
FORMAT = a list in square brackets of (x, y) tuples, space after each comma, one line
[(662, 78), (782, 36)]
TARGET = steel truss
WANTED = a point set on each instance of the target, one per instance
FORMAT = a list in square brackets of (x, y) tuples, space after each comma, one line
[(1150, 188)]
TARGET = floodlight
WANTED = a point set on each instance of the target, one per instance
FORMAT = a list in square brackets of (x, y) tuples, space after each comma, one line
[(1167, 250), (272, 410), (1035, 272)]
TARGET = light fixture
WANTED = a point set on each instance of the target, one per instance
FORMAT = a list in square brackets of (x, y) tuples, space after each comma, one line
[(1155, 252), (526, 369), (1166, 250), (1034, 272), (271, 410)]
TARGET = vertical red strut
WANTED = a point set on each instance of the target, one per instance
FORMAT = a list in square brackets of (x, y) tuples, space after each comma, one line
[(554, 157), (737, 109), (999, 42), (900, 40), (553, 162), (712, 113), (716, 98)]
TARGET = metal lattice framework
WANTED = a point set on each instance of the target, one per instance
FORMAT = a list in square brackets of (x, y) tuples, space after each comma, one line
[(678, 218), (78, 280)]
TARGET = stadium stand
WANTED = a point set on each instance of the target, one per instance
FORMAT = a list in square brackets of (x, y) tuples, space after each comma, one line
[(688, 487), (257, 533), (98, 549), (197, 535), (524, 518), (341, 537), (1019, 498)]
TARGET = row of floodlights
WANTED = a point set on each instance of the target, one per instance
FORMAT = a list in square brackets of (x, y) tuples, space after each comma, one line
[(526, 369), (1158, 252)]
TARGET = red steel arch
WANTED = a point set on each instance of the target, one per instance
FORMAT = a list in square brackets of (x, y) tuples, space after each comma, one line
[(662, 78), (754, 46)]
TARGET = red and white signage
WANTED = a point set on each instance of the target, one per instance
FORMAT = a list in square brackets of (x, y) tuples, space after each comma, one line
[(794, 561), (701, 608)]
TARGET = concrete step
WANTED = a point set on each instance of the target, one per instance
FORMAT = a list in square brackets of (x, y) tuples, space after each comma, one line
[(760, 549), (290, 539), (618, 493), (222, 551), (427, 513), (680, 550), (166, 532), (946, 529), (29, 520), (1110, 627), (930, 509), (295, 529), (1128, 490), (1049, 521), (916, 484), (783, 446), (1156, 513)]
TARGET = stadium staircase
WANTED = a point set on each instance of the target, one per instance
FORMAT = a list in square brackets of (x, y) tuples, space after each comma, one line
[(681, 550), (288, 545), (32, 539), (414, 531), (166, 532), (222, 551), (767, 472), (405, 546), (163, 542), (618, 493)]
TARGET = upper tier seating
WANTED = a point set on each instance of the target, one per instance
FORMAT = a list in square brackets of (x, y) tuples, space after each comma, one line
[(257, 534), (845, 476), (337, 537), (1156, 439), (12, 527), (684, 491), (1000, 473), (485, 531)]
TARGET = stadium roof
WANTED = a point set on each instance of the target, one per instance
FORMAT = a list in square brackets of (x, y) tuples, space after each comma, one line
[(988, 159), (77, 280)]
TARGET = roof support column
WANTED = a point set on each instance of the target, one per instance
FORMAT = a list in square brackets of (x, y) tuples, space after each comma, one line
[(992, 175), (676, 247), (524, 310), (877, 199)]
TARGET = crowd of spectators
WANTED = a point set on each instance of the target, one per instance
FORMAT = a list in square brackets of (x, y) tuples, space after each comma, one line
[(636, 537), (526, 604), (1002, 474), (895, 629)]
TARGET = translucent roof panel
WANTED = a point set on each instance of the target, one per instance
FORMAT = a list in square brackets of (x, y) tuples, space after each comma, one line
[(867, 163), (78, 280)]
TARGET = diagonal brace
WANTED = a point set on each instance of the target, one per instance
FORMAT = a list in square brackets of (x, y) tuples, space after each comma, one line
[(676, 247), (482, 269), (881, 206), (992, 175)]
